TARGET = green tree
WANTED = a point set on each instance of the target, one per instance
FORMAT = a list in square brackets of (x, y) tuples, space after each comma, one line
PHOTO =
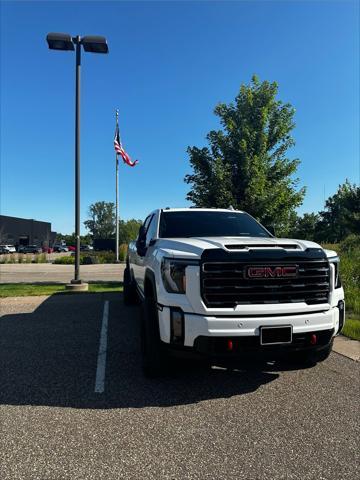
[(341, 216), (102, 220), (128, 230), (245, 164), (306, 227)]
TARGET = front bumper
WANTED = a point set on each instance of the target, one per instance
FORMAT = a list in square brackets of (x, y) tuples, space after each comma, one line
[(196, 326), (249, 347)]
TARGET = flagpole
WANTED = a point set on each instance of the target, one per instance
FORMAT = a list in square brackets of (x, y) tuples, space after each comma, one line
[(117, 199)]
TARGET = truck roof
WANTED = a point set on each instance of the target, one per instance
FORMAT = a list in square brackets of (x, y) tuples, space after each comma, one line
[(192, 209)]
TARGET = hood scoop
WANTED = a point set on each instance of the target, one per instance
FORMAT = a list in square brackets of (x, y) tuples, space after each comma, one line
[(262, 245)]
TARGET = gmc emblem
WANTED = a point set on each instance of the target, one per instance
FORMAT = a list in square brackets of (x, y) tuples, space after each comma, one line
[(290, 271)]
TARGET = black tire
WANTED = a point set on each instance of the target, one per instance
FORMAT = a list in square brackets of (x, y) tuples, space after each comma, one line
[(130, 295), (311, 358), (154, 358)]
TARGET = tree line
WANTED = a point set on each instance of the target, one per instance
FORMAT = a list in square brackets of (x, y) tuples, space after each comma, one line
[(101, 225), (339, 219)]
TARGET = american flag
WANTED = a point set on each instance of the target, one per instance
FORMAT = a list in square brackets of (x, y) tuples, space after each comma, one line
[(119, 149)]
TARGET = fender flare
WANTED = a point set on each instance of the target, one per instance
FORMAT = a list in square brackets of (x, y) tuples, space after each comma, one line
[(150, 283)]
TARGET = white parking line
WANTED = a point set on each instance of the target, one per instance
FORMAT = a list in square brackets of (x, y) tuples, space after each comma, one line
[(101, 361)]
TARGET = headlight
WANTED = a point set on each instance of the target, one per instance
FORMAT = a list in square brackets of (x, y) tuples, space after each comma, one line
[(336, 262), (173, 274)]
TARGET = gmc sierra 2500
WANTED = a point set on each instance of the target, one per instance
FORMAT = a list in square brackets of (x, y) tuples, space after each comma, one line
[(216, 284)]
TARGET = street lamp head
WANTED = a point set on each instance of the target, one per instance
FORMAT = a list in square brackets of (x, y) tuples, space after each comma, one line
[(60, 41), (95, 44)]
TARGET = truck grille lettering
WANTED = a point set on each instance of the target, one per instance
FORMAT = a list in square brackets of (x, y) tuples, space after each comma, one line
[(289, 271)]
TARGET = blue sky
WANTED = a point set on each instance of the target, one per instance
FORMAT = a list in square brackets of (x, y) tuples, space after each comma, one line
[(169, 64)]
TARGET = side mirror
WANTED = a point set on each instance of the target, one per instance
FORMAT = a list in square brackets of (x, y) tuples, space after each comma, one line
[(271, 229), (141, 242)]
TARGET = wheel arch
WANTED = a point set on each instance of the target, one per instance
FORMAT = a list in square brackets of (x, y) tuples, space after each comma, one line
[(150, 284)]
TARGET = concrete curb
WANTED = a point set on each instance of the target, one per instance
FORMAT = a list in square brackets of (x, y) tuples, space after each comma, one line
[(347, 347), (77, 287)]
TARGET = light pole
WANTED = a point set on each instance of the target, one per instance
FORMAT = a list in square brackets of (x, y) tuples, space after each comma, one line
[(93, 44)]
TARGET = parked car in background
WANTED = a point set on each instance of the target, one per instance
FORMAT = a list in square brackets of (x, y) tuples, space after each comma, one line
[(4, 250), (10, 248), (86, 248), (61, 248), (47, 250), (32, 249), (71, 248)]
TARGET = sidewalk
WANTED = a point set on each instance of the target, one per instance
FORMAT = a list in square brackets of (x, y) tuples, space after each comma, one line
[(51, 273), (347, 347)]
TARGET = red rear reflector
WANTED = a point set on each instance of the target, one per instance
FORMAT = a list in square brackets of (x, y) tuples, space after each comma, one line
[(313, 339), (230, 345)]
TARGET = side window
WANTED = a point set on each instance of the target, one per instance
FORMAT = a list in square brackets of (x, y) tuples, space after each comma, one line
[(146, 222), (162, 226), (151, 231)]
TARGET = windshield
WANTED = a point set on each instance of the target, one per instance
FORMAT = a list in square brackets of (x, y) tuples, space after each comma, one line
[(209, 224)]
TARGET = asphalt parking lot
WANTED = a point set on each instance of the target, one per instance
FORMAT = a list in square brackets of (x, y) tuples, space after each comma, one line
[(68, 411)]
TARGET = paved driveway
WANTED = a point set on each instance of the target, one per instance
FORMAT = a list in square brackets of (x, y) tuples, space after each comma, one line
[(47, 272), (275, 423)]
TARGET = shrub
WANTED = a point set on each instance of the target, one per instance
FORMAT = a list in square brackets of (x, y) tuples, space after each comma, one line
[(123, 252), (350, 276), (28, 257), (21, 258), (106, 257), (12, 258), (350, 244), (70, 260), (89, 260), (349, 252), (41, 258), (84, 260), (331, 246)]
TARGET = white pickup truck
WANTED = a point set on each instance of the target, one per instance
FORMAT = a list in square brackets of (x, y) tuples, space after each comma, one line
[(216, 285)]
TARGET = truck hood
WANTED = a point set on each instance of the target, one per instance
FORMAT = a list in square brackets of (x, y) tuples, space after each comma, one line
[(193, 247)]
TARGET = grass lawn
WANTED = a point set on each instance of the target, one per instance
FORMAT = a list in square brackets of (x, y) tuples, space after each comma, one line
[(24, 289), (352, 326)]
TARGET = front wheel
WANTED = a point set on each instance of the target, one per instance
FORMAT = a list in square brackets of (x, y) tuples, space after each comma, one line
[(130, 295), (154, 359)]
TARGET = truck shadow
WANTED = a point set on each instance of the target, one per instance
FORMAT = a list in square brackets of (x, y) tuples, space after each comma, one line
[(48, 357)]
